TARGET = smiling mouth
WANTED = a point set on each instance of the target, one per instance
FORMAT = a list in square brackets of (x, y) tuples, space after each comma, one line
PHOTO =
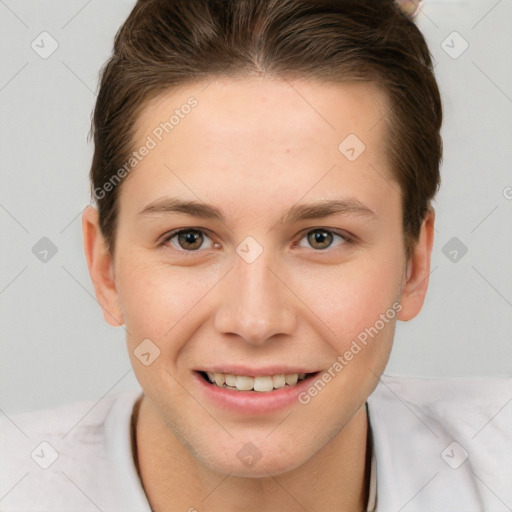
[(262, 384)]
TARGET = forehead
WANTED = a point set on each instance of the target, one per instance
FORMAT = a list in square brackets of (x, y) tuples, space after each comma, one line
[(260, 105), (269, 138)]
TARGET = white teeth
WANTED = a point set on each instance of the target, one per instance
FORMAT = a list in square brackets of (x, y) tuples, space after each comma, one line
[(262, 384), (230, 380), (279, 381), (219, 379), (245, 383), (291, 379)]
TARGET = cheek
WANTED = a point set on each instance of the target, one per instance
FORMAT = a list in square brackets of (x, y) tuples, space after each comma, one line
[(156, 298), (351, 299), (359, 305)]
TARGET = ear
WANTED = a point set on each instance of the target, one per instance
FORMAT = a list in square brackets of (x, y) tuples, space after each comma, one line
[(101, 267), (416, 281)]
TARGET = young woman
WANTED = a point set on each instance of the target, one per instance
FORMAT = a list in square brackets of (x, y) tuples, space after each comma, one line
[(263, 176)]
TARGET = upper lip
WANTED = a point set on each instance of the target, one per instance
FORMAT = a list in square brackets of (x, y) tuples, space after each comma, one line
[(255, 372)]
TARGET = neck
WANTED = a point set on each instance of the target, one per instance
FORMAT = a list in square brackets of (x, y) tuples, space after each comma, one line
[(335, 478)]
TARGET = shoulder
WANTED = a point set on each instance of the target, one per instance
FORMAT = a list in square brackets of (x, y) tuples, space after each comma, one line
[(472, 397), (68, 458), (451, 439), (460, 406)]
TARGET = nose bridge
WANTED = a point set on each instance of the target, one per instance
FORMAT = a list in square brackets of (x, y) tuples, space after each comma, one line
[(255, 304)]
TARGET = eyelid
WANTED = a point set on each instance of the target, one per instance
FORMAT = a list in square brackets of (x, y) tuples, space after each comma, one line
[(166, 238), (347, 237)]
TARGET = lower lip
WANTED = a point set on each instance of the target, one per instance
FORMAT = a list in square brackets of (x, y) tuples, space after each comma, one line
[(252, 402)]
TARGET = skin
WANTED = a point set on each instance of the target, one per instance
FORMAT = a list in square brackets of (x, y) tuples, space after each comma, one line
[(254, 147)]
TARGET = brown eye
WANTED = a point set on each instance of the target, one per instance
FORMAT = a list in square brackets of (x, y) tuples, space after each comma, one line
[(190, 240), (320, 239)]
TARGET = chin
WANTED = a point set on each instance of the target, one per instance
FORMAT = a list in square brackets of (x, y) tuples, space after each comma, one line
[(258, 459)]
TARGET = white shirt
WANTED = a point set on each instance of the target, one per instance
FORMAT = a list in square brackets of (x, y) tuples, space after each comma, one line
[(441, 445)]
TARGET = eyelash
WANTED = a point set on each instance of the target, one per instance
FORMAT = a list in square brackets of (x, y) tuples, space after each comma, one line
[(346, 239)]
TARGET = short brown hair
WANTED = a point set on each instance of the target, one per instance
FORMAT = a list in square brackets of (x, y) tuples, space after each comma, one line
[(167, 43)]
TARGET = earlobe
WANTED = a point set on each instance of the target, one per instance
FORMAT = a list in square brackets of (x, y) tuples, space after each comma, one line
[(417, 276), (101, 267)]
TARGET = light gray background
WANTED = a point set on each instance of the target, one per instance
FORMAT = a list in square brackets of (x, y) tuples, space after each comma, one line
[(56, 346)]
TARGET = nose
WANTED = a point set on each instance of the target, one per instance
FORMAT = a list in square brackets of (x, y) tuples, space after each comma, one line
[(255, 303)]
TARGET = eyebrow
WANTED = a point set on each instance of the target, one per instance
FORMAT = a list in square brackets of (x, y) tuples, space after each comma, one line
[(169, 205), (298, 212), (326, 208)]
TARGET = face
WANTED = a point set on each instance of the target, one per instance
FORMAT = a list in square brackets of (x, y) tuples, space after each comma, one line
[(260, 245)]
